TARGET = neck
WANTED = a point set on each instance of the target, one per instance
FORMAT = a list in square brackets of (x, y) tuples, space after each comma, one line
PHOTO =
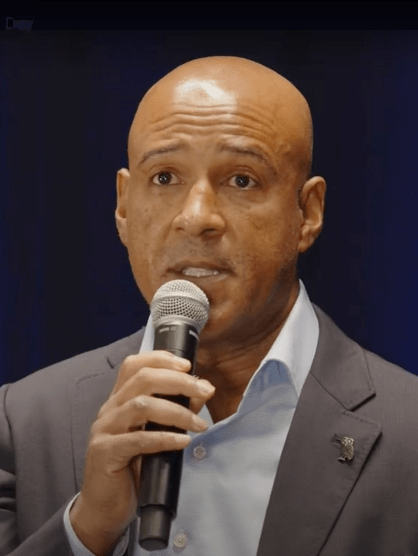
[(230, 366)]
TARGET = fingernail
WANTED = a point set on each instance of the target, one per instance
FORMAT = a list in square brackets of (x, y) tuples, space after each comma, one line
[(185, 366), (200, 423), (181, 363), (183, 439), (206, 386)]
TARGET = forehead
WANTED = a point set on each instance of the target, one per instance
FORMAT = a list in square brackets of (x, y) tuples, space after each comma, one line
[(190, 116), (219, 111)]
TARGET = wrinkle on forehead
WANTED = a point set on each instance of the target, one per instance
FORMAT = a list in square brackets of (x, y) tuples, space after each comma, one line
[(245, 114), (187, 120), (205, 90)]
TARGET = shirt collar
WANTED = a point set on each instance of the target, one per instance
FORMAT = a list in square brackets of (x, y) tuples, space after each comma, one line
[(296, 343), (294, 347)]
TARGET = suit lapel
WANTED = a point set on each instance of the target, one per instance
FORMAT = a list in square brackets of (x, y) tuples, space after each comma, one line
[(311, 484)]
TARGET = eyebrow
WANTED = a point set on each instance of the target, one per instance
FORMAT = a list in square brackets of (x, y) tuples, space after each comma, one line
[(162, 150), (249, 151)]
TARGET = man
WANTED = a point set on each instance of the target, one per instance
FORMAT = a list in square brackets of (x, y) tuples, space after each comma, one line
[(309, 445)]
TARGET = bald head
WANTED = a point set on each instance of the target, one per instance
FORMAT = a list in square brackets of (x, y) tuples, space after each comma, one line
[(234, 84)]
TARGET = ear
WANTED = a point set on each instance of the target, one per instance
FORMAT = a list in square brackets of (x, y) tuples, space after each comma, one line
[(311, 203), (122, 187)]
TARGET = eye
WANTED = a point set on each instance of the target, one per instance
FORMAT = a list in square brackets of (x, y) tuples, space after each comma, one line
[(165, 178), (242, 181)]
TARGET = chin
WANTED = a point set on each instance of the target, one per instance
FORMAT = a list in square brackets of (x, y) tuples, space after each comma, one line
[(221, 326)]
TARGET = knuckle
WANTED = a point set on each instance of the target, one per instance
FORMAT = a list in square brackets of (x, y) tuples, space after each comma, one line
[(122, 376), (97, 427), (140, 402), (139, 440), (97, 446), (145, 377), (127, 366), (93, 430), (102, 411), (129, 361)]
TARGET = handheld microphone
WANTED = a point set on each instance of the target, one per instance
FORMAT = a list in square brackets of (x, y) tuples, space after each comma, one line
[(179, 311)]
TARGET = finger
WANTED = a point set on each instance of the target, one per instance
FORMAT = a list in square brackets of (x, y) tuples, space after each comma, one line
[(150, 381), (156, 359), (116, 451), (196, 404), (137, 411)]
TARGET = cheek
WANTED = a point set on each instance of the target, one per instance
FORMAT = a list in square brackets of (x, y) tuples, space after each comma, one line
[(269, 248), (143, 229), (143, 223)]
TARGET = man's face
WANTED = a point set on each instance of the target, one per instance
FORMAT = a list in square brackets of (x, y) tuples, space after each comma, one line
[(212, 198)]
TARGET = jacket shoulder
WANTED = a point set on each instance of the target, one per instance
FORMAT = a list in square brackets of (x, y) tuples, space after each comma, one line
[(354, 375), (396, 389), (381, 367), (61, 374)]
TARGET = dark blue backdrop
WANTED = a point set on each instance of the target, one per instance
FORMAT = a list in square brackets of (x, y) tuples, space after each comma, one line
[(67, 100)]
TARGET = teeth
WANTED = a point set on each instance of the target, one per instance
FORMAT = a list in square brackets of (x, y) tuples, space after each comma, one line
[(199, 272)]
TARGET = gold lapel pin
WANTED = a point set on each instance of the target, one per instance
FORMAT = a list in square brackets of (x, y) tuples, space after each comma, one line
[(347, 447)]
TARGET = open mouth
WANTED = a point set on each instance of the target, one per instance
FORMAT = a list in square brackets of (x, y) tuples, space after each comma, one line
[(201, 269), (199, 272)]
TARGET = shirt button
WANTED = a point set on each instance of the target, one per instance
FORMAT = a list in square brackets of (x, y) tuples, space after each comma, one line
[(199, 452), (180, 540)]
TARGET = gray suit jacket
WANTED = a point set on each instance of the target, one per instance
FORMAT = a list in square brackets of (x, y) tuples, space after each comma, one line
[(318, 506)]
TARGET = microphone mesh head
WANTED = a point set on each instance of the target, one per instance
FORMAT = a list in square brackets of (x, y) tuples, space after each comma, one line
[(182, 299)]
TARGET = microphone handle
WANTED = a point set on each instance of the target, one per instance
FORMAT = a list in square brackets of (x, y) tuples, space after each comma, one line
[(161, 472)]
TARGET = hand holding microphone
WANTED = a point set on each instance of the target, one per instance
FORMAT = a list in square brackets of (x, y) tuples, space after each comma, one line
[(108, 500), (179, 311)]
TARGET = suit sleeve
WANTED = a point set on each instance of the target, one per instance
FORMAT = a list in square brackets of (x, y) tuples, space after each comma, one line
[(50, 539)]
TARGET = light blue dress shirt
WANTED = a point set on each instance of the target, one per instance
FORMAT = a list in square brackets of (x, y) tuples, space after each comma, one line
[(229, 469)]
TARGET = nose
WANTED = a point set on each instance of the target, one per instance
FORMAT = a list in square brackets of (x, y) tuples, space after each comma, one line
[(200, 214)]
